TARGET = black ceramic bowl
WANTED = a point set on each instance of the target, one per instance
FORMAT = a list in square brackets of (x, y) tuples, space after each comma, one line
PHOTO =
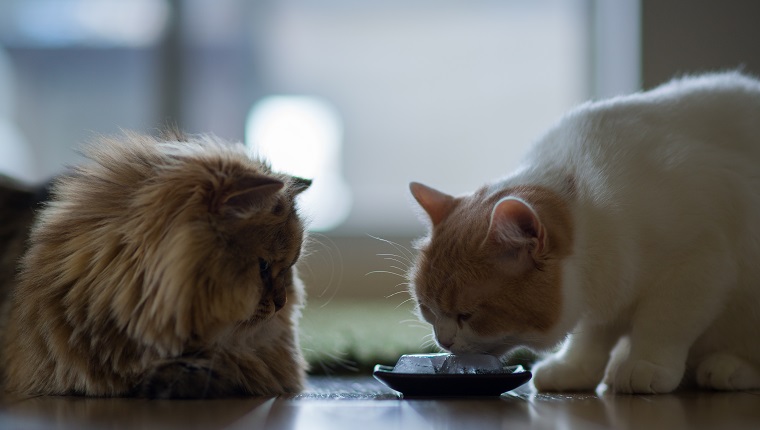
[(427, 380)]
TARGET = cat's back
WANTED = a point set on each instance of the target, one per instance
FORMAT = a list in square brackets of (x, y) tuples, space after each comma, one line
[(680, 158), (686, 126), (694, 131), (715, 110)]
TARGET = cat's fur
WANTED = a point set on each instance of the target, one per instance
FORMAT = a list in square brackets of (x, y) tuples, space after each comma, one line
[(631, 229), (161, 268)]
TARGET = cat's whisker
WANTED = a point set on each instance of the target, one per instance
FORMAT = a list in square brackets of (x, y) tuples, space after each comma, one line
[(395, 294), (402, 284), (416, 326), (400, 248), (342, 362), (428, 343), (402, 270), (410, 299), (401, 266), (413, 320), (334, 261), (326, 368), (324, 365), (387, 272), (400, 258), (397, 258)]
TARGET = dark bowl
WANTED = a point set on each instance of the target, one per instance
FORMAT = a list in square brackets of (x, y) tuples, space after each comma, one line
[(452, 385)]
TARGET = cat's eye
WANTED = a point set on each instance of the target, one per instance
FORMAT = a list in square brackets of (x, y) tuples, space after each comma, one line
[(264, 265), (462, 318)]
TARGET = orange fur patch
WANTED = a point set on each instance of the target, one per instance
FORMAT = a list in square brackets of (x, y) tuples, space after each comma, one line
[(460, 273)]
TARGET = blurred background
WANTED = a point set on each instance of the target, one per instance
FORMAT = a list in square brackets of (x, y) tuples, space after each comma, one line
[(361, 96)]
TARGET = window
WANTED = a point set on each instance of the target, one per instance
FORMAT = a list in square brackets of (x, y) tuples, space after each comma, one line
[(363, 96), (445, 92), (449, 93)]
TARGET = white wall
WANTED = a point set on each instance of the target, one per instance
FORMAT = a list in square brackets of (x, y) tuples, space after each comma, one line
[(449, 93)]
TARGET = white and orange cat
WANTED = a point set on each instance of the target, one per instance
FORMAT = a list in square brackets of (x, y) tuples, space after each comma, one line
[(631, 232)]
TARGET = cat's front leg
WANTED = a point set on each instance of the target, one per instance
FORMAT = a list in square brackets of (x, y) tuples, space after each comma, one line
[(185, 379), (580, 364), (664, 327), (725, 371), (649, 369)]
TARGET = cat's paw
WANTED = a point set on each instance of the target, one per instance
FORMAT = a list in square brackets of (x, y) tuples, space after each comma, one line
[(184, 380), (642, 376), (559, 375), (726, 372)]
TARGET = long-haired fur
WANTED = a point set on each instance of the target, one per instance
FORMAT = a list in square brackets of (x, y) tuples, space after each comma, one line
[(161, 268)]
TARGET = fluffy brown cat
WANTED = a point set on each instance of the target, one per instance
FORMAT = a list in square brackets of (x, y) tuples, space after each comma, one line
[(162, 268)]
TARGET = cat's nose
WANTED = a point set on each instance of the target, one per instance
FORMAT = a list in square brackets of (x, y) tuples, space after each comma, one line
[(446, 344)]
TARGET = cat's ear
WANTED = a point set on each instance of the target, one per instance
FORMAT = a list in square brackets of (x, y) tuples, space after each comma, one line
[(438, 205), (299, 185), (248, 191), (516, 226)]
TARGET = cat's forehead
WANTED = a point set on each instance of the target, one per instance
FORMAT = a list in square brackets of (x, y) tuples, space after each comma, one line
[(447, 279), (286, 245), (451, 299), (212, 154), (457, 238)]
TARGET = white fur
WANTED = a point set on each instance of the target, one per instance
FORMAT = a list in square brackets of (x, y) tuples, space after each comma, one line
[(666, 208)]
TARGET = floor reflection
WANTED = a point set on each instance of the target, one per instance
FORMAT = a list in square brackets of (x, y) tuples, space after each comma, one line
[(363, 404), (472, 413), (85, 413), (685, 410), (389, 414)]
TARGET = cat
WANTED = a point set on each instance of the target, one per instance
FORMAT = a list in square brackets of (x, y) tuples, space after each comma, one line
[(162, 268), (629, 235)]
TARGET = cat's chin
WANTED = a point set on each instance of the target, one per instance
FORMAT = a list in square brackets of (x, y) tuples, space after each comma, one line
[(259, 318)]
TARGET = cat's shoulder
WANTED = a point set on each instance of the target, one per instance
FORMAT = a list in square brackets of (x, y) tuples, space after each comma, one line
[(718, 84), (688, 95), (679, 88), (715, 81)]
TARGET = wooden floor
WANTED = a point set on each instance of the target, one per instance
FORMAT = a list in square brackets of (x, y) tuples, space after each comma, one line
[(364, 404)]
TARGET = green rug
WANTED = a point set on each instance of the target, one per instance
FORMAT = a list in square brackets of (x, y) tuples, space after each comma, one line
[(348, 337)]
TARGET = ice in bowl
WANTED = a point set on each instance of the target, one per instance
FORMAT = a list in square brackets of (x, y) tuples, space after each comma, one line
[(448, 364)]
